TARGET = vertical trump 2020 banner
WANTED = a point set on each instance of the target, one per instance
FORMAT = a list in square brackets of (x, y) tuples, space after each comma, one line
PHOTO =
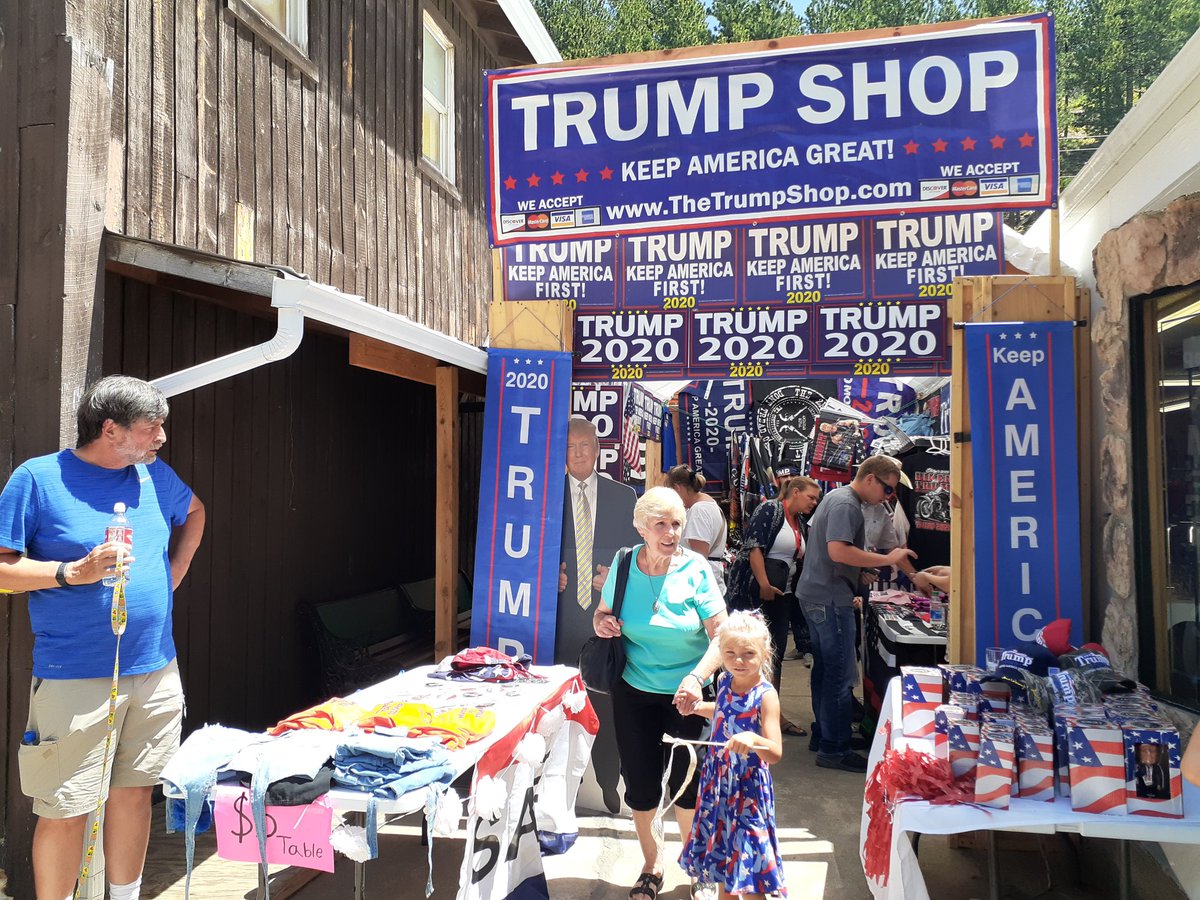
[(520, 502), (1021, 385)]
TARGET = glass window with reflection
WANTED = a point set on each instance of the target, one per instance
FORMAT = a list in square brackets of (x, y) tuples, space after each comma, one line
[(1167, 551), (437, 106)]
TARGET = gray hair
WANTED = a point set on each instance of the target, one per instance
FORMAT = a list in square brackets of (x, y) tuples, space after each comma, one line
[(658, 503), (121, 398)]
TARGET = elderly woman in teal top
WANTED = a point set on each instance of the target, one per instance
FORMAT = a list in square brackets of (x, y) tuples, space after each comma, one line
[(669, 618)]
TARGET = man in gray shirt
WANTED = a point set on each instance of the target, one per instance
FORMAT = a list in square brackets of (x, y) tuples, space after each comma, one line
[(833, 564)]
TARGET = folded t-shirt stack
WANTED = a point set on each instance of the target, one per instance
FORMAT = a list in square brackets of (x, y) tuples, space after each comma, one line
[(332, 715)]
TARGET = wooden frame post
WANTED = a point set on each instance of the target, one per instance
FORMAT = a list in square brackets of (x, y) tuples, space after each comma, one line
[(445, 628)]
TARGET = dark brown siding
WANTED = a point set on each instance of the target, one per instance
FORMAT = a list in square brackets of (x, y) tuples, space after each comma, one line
[(210, 115), (317, 480)]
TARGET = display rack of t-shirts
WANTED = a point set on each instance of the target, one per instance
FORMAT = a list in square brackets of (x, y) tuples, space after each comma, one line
[(927, 505)]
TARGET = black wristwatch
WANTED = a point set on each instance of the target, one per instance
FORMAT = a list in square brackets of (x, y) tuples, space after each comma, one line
[(60, 575)]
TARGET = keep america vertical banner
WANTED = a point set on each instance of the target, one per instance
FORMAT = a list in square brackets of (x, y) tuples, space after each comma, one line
[(1021, 384), (520, 502)]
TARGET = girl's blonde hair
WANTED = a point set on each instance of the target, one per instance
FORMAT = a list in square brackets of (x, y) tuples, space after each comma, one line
[(749, 627)]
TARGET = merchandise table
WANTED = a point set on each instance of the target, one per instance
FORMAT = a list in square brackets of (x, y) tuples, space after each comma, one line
[(893, 637), (515, 705), (1038, 817)]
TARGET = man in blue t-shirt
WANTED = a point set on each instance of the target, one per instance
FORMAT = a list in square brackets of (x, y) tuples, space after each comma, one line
[(53, 515)]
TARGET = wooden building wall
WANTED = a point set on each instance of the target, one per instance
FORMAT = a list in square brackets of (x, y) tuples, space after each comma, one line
[(207, 116), (317, 478)]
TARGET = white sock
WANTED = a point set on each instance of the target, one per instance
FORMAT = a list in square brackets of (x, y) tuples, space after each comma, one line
[(131, 891)]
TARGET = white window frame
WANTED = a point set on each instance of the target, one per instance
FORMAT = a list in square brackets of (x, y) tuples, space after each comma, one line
[(447, 168), (293, 43)]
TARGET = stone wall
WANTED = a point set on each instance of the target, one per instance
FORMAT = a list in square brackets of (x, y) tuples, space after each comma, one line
[(1151, 252)]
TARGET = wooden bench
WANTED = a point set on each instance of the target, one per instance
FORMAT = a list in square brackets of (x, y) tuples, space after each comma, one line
[(365, 638), (368, 637)]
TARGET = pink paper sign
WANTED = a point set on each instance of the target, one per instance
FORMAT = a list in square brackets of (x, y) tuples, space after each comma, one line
[(296, 835)]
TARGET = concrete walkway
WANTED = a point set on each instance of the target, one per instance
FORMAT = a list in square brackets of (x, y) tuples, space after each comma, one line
[(817, 812)]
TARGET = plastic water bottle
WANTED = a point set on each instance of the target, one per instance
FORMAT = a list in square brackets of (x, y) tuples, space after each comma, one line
[(937, 612), (118, 531)]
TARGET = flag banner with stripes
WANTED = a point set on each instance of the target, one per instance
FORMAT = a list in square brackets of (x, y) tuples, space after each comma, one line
[(631, 449), (1024, 447)]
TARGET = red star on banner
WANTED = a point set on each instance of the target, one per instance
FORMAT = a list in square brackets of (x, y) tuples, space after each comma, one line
[(510, 182), (606, 174), (1026, 139), (997, 143), (534, 180), (581, 175), (939, 146), (911, 147), (968, 143), (557, 178)]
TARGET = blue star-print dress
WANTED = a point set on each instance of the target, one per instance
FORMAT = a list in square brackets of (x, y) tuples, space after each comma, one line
[(732, 841)]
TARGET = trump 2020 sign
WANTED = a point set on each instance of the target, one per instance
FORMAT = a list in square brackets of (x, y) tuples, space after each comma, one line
[(1021, 384), (520, 512), (932, 118)]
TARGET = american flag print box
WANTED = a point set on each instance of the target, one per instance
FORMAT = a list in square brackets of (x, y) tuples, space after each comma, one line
[(1096, 753), (1035, 764), (1153, 784), (921, 692), (994, 770)]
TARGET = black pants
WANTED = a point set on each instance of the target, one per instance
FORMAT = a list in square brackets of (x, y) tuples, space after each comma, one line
[(641, 720), (777, 612)]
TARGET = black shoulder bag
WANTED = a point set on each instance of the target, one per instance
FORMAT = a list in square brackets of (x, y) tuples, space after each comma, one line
[(602, 660)]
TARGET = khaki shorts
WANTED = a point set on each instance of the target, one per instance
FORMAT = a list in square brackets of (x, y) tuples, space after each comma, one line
[(61, 773)]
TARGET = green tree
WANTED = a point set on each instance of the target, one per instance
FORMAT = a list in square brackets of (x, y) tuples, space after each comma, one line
[(1108, 52), (754, 20)]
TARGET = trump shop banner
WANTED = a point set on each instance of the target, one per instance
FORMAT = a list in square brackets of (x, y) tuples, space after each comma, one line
[(943, 117), (520, 502), (865, 297), (1021, 384)]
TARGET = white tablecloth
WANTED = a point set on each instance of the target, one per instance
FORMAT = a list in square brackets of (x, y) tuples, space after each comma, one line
[(906, 881)]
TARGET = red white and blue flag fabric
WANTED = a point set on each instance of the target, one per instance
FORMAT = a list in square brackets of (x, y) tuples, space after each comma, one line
[(921, 691), (1035, 765), (994, 771), (530, 778), (1097, 760), (631, 445)]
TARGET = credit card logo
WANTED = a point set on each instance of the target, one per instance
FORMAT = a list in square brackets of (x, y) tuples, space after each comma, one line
[(538, 220), (562, 219), (1024, 184), (510, 222), (935, 190), (993, 187), (965, 188), (590, 216)]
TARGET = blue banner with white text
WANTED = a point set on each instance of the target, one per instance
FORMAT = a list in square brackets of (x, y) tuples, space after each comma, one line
[(1021, 386), (954, 116), (520, 502)]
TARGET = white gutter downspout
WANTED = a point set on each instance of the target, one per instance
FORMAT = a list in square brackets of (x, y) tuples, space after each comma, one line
[(289, 332)]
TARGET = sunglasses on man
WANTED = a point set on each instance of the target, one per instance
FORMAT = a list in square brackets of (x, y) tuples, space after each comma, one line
[(888, 490)]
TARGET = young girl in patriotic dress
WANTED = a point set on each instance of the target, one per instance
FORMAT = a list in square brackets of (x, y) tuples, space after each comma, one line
[(732, 842)]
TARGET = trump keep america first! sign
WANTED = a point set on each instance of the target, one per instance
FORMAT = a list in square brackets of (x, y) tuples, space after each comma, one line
[(948, 117)]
